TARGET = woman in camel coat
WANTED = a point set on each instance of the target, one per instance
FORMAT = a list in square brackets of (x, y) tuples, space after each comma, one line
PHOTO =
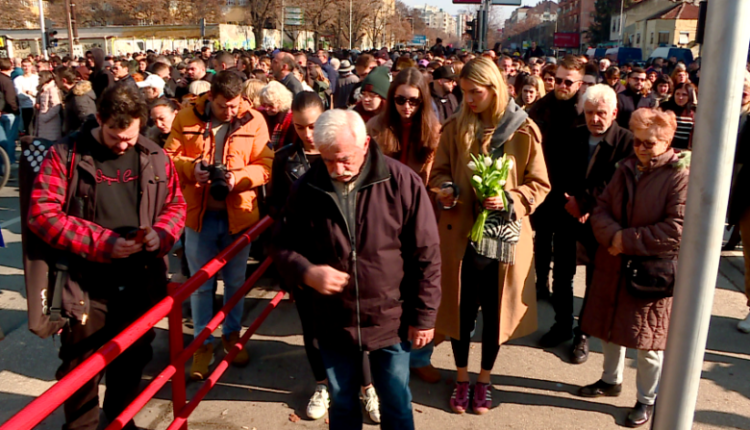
[(489, 122)]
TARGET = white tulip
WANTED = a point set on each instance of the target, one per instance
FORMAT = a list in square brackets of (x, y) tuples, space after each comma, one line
[(488, 161), (498, 164), (472, 166), (510, 163)]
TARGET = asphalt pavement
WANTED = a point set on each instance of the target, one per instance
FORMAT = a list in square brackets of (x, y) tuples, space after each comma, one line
[(534, 387)]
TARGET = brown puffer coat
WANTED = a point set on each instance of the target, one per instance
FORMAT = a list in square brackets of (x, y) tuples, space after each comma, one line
[(656, 210)]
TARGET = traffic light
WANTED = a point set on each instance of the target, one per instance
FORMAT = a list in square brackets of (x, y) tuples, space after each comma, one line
[(471, 28), (50, 37)]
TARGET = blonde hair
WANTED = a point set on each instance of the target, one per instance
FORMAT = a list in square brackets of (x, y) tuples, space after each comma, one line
[(482, 71), (276, 94), (662, 123), (251, 90), (199, 87)]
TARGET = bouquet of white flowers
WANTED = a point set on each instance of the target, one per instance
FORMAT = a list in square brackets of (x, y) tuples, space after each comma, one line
[(488, 180)]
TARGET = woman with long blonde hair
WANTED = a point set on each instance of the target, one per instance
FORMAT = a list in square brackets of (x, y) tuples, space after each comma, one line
[(497, 271)]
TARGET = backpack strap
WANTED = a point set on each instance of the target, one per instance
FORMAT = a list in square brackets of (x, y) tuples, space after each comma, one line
[(55, 309)]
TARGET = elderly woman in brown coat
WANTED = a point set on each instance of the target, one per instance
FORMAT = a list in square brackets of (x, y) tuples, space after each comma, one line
[(496, 273), (638, 223)]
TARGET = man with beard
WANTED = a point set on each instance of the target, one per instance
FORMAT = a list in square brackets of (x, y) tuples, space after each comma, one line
[(441, 88), (196, 71), (282, 66), (632, 98), (557, 116)]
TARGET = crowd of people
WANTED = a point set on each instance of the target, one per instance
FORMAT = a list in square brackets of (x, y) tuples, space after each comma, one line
[(364, 161)]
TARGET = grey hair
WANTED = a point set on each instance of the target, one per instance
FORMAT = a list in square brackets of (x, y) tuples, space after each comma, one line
[(276, 94), (601, 93), (336, 122)]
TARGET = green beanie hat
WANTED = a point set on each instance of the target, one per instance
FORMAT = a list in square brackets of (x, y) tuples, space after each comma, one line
[(377, 82)]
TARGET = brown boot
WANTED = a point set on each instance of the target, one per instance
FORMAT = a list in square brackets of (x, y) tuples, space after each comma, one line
[(427, 373), (228, 341)]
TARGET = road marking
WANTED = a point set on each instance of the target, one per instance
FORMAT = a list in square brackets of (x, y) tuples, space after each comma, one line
[(10, 222)]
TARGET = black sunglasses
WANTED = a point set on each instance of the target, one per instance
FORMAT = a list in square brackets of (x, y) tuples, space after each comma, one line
[(401, 100), (568, 82), (648, 145)]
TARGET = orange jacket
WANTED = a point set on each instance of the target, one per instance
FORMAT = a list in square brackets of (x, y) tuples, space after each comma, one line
[(246, 154)]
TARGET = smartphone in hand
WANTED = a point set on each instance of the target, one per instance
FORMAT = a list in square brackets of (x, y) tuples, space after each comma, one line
[(137, 235)]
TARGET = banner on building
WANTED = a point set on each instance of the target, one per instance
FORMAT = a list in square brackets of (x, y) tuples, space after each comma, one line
[(494, 2), (567, 40)]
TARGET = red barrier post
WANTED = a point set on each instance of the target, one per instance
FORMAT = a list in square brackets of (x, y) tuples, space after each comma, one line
[(179, 394)]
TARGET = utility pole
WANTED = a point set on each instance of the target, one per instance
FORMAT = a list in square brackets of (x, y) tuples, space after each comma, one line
[(68, 20), (727, 38), (283, 17), (74, 21), (350, 26), (622, 21), (44, 32)]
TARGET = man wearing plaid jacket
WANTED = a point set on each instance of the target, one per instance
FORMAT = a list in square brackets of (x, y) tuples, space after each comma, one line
[(109, 198)]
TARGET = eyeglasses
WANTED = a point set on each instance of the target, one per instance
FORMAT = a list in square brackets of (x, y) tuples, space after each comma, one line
[(648, 145), (568, 82), (638, 79), (413, 101)]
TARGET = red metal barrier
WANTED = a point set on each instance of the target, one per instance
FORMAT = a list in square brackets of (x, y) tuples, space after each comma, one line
[(44, 405)]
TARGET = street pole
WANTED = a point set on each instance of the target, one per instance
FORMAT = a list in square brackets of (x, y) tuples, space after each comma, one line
[(70, 28), (622, 20), (717, 119), (350, 25), (41, 25), (283, 13)]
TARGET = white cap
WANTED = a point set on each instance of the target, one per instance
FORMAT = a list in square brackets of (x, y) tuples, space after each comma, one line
[(152, 81)]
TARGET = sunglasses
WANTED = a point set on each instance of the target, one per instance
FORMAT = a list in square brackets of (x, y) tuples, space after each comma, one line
[(647, 145), (401, 100), (638, 79), (567, 82)]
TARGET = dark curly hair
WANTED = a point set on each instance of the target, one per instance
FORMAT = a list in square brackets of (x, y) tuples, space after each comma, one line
[(120, 105)]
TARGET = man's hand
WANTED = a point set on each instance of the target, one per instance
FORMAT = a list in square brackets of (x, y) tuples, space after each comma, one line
[(201, 176), (151, 241), (125, 248), (325, 279), (420, 338), (616, 247), (231, 181), (574, 210), (446, 197)]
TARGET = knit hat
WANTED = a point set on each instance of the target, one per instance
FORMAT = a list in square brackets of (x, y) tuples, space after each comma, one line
[(378, 82)]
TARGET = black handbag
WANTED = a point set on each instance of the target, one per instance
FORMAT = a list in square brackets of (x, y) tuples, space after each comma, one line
[(649, 278)]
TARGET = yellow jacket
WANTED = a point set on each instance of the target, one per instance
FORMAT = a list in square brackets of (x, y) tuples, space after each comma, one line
[(246, 154)]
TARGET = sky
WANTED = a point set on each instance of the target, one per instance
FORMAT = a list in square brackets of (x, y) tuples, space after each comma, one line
[(448, 6)]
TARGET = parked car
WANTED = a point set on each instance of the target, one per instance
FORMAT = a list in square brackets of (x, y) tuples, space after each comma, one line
[(596, 53), (682, 54), (619, 56)]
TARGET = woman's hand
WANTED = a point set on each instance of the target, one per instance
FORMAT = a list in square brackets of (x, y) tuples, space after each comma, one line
[(616, 246), (446, 197), (493, 203)]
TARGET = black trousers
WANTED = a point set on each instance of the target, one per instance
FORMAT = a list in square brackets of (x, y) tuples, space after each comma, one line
[(27, 114), (479, 287), (107, 318), (556, 237)]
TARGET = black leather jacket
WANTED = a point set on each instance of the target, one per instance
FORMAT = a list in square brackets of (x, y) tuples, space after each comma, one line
[(289, 164)]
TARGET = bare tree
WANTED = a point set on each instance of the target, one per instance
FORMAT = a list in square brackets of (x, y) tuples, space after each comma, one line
[(261, 14)]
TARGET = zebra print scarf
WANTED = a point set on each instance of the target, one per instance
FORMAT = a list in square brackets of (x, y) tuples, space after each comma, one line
[(501, 235)]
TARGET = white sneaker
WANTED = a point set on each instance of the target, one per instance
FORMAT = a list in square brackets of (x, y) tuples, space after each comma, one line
[(319, 403), (744, 325), (372, 404)]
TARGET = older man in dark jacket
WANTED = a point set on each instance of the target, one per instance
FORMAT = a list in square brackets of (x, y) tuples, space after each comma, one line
[(596, 149), (370, 258)]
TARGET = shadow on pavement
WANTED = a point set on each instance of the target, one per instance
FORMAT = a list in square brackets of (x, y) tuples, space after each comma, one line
[(723, 419)]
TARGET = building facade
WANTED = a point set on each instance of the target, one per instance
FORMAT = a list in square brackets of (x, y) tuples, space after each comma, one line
[(650, 24), (576, 16)]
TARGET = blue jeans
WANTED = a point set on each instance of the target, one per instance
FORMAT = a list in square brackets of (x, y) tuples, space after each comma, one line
[(9, 125), (200, 248), (390, 376), (421, 357)]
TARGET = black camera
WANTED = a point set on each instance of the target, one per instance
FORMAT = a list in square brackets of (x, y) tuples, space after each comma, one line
[(219, 189)]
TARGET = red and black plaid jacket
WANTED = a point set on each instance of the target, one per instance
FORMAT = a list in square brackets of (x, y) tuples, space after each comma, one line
[(86, 239)]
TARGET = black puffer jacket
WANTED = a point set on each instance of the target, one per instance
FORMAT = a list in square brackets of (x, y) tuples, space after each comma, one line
[(80, 103), (289, 164), (390, 232)]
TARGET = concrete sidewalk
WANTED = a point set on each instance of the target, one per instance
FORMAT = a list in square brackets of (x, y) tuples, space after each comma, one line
[(534, 387)]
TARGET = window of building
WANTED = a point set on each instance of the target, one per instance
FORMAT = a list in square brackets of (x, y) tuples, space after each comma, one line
[(664, 38), (638, 39), (684, 37), (652, 37)]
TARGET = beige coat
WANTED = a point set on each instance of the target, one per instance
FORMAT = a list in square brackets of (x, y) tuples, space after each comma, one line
[(528, 185)]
